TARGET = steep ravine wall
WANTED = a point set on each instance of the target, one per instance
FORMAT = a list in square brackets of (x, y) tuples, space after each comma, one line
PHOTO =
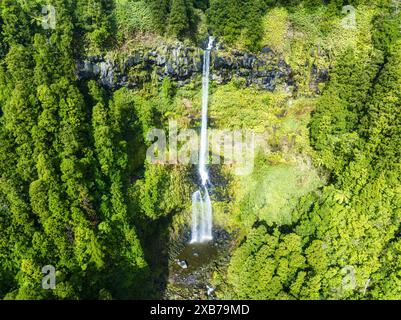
[(265, 70)]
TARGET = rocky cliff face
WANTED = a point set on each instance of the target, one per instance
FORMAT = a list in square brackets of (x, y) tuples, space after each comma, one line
[(265, 70)]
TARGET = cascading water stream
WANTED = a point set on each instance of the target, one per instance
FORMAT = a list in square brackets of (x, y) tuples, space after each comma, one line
[(201, 203)]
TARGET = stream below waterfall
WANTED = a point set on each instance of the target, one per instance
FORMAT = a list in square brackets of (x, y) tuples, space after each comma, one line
[(201, 261)]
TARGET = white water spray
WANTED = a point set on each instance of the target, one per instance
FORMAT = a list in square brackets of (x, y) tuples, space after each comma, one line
[(201, 203)]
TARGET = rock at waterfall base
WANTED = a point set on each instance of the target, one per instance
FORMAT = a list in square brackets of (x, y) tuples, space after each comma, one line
[(182, 263)]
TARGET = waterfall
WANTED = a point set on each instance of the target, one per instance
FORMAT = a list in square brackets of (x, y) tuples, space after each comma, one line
[(201, 203)]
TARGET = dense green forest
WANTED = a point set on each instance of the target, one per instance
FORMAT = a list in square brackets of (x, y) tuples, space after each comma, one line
[(318, 220)]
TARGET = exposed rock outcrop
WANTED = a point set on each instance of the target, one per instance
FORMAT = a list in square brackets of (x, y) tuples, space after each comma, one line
[(265, 70)]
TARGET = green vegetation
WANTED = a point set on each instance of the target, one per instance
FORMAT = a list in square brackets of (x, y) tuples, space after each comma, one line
[(351, 226), (318, 217), (69, 153)]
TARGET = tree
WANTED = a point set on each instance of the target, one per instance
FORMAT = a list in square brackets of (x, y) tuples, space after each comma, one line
[(181, 18)]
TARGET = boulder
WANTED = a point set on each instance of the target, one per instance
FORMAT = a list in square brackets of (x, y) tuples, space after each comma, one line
[(182, 263)]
